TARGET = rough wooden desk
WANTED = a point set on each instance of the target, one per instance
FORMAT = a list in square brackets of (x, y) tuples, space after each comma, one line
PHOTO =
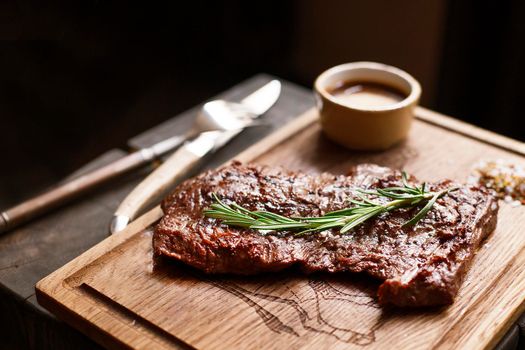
[(35, 250)]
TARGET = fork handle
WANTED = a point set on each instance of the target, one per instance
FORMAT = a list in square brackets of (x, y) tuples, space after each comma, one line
[(64, 193), (70, 190), (153, 187)]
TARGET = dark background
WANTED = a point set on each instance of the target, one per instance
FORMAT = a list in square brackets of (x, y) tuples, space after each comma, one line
[(78, 78)]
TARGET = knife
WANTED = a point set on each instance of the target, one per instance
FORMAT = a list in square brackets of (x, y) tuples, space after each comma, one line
[(187, 157)]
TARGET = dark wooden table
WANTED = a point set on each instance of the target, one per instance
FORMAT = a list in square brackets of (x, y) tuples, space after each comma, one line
[(35, 250)]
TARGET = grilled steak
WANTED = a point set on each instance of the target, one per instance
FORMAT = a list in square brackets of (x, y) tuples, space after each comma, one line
[(420, 265)]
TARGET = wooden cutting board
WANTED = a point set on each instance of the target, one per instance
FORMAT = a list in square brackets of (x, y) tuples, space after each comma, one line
[(114, 294)]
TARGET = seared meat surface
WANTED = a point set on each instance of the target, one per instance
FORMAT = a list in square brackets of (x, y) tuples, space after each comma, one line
[(420, 265)]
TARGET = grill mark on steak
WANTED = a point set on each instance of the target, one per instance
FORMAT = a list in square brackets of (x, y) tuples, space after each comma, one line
[(420, 265)]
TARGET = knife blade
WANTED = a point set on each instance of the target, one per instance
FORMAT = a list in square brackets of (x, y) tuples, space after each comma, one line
[(187, 157), (258, 102)]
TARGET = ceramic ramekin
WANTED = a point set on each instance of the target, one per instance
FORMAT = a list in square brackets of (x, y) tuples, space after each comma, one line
[(366, 128)]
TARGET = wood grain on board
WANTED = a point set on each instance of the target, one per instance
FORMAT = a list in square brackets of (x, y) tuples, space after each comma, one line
[(118, 297), (33, 251)]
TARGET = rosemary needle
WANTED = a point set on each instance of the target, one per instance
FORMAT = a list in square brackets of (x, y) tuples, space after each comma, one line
[(362, 209)]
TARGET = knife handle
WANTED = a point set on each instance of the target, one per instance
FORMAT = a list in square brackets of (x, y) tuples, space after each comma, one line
[(61, 194), (153, 187)]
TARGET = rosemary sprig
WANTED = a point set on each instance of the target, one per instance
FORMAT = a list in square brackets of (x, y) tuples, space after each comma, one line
[(346, 219)]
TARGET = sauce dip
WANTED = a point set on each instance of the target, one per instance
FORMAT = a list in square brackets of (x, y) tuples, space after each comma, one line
[(366, 94)]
